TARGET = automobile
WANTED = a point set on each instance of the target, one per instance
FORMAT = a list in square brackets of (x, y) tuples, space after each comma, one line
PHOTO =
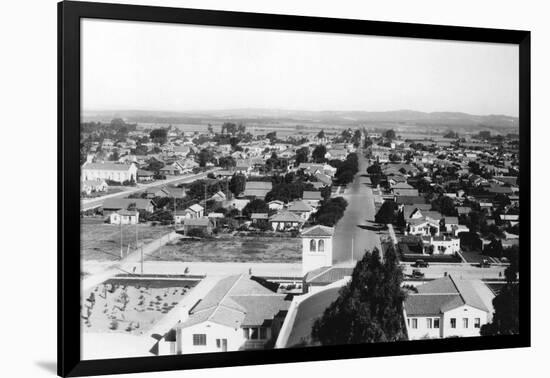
[(420, 264), (417, 274), (484, 263)]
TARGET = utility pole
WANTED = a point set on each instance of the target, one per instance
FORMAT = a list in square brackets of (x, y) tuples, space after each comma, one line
[(120, 224)]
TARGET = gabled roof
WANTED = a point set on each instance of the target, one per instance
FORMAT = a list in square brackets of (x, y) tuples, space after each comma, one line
[(327, 275), (311, 195), (107, 166), (237, 301), (318, 231), (286, 216), (442, 295), (196, 208), (299, 206)]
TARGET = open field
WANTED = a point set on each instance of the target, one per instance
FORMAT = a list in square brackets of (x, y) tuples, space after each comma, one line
[(232, 249), (130, 307), (101, 241)]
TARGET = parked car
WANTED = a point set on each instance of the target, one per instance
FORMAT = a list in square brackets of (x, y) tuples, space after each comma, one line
[(420, 264), (417, 274), (485, 263)]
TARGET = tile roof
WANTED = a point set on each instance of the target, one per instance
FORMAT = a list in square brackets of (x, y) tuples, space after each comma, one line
[(328, 275), (286, 216), (441, 295), (107, 166), (237, 301), (318, 231)]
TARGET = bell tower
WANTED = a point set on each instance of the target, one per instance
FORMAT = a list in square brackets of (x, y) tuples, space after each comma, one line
[(316, 248)]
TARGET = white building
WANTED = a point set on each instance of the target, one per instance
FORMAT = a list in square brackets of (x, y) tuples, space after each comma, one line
[(124, 217), (109, 171), (442, 245), (238, 313), (447, 307), (316, 248)]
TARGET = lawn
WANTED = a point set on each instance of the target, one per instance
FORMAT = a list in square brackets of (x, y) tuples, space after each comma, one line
[(232, 249), (101, 241), (130, 307)]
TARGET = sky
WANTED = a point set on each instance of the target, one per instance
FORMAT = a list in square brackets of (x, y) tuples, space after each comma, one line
[(153, 66)]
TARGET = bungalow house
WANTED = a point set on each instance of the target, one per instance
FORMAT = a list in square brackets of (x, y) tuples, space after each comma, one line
[(124, 217), (312, 198), (243, 166), (143, 175), (447, 307), (285, 221), (404, 189), (324, 179), (205, 224), (93, 186), (451, 223), (338, 154), (218, 197), (115, 204), (119, 173), (239, 312), (442, 245), (173, 169), (259, 218), (192, 212), (301, 209), (276, 205), (422, 226), (257, 189)]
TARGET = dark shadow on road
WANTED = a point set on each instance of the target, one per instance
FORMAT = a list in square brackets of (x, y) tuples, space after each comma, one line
[(49, 366)]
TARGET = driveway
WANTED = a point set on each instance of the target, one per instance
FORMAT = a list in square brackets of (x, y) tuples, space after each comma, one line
[(355, 230)]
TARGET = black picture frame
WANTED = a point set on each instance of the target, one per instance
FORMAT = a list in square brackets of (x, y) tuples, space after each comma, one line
[(69, 16)]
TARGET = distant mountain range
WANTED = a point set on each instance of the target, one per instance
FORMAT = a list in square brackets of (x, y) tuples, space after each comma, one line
[(345, 118)]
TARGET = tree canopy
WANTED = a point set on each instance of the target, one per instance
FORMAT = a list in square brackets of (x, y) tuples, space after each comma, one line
[(369, 309), (159, 136), (255, 206), (319, 153)]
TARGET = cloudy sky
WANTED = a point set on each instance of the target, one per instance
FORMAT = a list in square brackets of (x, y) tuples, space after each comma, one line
[(149, 66)]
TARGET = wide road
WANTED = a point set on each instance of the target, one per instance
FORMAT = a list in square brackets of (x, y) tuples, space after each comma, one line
[(352, 229), (92, 203)]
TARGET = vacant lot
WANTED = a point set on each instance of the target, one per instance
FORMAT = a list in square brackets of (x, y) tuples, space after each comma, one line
[(232, 249), (129, 306), (101, 241)]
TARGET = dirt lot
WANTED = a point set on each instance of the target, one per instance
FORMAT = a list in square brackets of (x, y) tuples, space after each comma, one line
[(232, 249), (101, 241), (130, 307)]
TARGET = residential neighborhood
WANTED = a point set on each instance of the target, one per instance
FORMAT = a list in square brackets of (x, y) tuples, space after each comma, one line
[(261, 234)]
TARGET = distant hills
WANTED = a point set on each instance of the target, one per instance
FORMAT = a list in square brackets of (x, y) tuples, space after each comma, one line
[(344, 118)]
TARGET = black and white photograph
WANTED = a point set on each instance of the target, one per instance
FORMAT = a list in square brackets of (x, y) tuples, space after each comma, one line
[(246, 189)]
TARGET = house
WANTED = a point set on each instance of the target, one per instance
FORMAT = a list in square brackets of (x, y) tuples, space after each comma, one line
[(115, 204), (312, 198), (317, 279), (257, 189), (314, 168), (451, 223), (120, 173), (259, 218), (93, 186), (447, 307), (166, 192), (285, 221), (192, 212), (324, 179), (173, 169), (442, 245), (276, 205), (300, 208), (205, 224), (218, 197), (338, 154), (124, 217), (403, 189), (423, 227), (239, 312), (243, 166), (463, 210), (143, 175)]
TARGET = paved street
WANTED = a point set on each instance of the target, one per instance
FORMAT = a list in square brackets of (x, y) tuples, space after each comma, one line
[(92, 203), (351, 229)]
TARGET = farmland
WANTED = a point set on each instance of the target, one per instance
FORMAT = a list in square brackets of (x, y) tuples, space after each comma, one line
[(232, 249)]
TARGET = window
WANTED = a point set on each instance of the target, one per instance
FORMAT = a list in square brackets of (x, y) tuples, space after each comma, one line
[(263, 333), (218, 343), (312, 246), (246, 333), (429, 323), (477, 322), (453, 322), (415, 323), (436, 323), (408, 322), (254, 334), (321, 246), (199, 339), (465, 322)]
